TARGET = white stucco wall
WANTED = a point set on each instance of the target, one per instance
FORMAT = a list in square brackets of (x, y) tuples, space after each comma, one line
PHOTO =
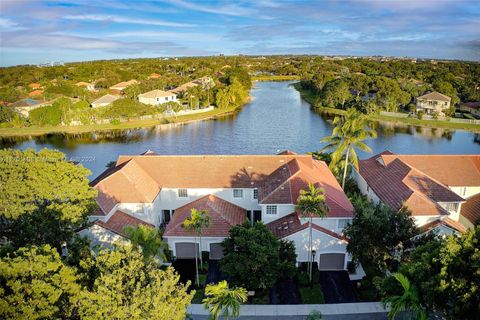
[(102, 237), (364, 188), (282, 210), (142, 211), (466, 192), (327, 223), (321, 243)]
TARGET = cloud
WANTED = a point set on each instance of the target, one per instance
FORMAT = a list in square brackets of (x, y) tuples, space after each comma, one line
[(9, 25), (229, 9), (121, 19)]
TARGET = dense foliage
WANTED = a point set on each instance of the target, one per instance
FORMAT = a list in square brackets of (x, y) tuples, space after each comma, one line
[(252, 257), (43, 197)]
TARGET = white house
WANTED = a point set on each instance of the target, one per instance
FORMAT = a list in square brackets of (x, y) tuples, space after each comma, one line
[(161, 191), (441, 191), (157, 97), (433, 102), (104, 100)]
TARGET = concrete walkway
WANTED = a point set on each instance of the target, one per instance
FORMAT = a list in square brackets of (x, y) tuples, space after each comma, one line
[(340, 311)]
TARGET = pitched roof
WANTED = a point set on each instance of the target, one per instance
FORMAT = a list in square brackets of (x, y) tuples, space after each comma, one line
[(471, 209), (83, 84), (452, 224), (119, 220), (156, 94), (108, 98), (154, 76), (220, 171), (123, 85), (34, 85), (291, 224), (223, 215), (396, 183), (284, 185), (35, 93), (451, 170), (435, 96)]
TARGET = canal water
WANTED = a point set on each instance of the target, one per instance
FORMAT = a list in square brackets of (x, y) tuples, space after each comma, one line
[(276, 119)]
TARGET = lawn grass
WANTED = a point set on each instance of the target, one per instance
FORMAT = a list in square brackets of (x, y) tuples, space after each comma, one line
[(308, 96), (312, 295), (274, 78), (133, 124)]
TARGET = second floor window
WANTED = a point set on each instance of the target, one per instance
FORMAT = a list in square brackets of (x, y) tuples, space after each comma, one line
[(255, 194), (271, 209), (182, 193), (451, 206), (237, 193)]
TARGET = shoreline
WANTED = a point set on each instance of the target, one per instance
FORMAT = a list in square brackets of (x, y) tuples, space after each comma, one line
[(309, 97), (134, 124)]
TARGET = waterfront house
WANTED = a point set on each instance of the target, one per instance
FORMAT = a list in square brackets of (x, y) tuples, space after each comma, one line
[(472, 107), (162, 190), (157, 97), (197, 82), (104, 100), (433, 102), (441, 191), (120, 87)]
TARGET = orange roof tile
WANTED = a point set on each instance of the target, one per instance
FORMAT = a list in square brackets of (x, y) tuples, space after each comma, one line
[(452, 224), (223, 215), (35, 93), (119, 220), (471, 209)]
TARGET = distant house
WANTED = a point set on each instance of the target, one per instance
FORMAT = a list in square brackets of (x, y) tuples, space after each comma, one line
[(119, 87), (26, 105), (35, 93), (104, 100), (34, 86), (433, 102), (472, 107), (154, 76), (157, 97), (441, 191), (184, 87), (87, 85)]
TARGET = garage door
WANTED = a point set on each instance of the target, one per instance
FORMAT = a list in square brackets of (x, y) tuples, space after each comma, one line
[(332, 261), (185, 250), (216, 251)]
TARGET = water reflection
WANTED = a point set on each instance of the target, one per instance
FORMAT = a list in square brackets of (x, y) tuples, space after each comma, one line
[(276, 119)]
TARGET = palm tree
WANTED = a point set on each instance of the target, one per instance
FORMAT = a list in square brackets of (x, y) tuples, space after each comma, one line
[(199, 219), (219, 297), (409, 301), (148, 239), (310, 203), (348, 133)]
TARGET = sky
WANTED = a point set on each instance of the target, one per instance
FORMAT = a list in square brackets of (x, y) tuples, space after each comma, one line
[(36, 31)]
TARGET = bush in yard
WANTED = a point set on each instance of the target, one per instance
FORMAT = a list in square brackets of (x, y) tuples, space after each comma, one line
[(251, 256), (46, 116)]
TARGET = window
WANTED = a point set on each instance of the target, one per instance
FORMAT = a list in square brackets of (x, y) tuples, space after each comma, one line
[(451, 206), (237, 193), (342, 223), (255, 194), (464, 191), (271, 209), (182, 193), (166, 98)]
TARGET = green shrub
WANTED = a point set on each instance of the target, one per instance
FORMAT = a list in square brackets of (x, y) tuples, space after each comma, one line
[(420, 114), (46, 116), (115, 121)]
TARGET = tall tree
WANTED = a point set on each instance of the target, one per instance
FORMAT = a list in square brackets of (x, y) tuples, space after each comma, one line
[(311, 203), (35, 284), (126, 286), (43, 197), (349, 133), (199, 220), (408, 301), (148, 239), (220, 298)]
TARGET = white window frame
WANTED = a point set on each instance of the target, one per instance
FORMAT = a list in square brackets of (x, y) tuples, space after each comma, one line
[(349, 221), (181, 197), (452, 204), (271, 207), (255, 190), (237, 190)]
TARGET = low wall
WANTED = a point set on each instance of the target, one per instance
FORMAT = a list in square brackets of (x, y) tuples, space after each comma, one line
[(427, 117), (190, 111), (372, 309)]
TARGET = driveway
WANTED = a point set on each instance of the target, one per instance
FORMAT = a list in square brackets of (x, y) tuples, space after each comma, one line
[(215, 275), (337, 287), (285, 292), (186, 270)]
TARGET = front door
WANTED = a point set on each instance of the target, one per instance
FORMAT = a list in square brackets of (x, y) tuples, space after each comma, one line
[(257, 216)]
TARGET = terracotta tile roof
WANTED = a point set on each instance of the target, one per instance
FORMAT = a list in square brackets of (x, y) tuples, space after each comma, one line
[(452, 224), (471, 209), (451, 170), (120, 220), (223, 215), (34, 85), (396, 183), (272, 174), (435, 96), (156, 94), (123, 85), (35, 93), (284, 185), (154, 76), (291, 224)]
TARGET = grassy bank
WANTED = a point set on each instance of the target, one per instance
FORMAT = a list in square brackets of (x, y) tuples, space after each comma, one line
[(274, 78), (36, 131), (310, 98)]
